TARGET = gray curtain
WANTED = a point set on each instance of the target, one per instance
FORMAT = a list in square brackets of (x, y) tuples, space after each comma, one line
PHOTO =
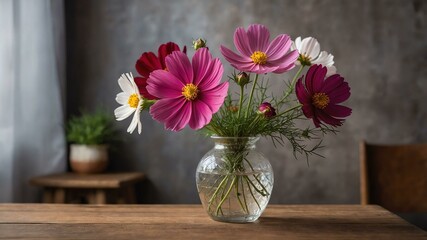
[(31, 95)]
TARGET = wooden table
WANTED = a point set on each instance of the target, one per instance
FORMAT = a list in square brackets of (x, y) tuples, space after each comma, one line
[(94, 188), (60, 221)]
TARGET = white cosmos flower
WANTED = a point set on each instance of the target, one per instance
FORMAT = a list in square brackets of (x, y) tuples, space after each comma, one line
[(309, 50), (131, 102)]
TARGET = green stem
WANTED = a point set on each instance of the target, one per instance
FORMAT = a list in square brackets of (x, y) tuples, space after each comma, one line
[(263, 193), (251, 96), (296, 76), (214, 184), (219, 206), (240, 101), (253, 196), (223, 186), (226, 195), (292, 86), (244, 195), (290, 109), (216, 192), (253, 123), (256, 178), (238, 194)]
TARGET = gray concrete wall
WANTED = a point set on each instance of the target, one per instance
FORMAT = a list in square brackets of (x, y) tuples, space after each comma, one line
[(379, 46)]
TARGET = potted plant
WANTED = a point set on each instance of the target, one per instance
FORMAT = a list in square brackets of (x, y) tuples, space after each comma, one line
[(90, 136)]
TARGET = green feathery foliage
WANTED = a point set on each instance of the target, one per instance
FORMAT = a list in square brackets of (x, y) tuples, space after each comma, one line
[(91, 129), (240, 118)]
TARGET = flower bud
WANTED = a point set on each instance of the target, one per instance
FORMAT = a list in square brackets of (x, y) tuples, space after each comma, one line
[(266, 110), (199, 43), (241, 79), (233, 108)]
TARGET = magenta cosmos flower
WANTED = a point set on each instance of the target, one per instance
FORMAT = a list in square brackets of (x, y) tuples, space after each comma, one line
[(258, 54), (320, 96), (149, 62), (189, 93)]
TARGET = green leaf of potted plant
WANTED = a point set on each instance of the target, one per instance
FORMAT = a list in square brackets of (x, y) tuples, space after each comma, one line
[(90, 136)]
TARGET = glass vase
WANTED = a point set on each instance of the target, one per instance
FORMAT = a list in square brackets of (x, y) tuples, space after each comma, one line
[(234, 180)]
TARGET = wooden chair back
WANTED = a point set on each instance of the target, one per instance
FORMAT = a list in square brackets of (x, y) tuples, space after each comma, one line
[(394, 176)]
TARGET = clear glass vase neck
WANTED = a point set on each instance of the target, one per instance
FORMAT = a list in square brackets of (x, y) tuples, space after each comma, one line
[(232, 142)]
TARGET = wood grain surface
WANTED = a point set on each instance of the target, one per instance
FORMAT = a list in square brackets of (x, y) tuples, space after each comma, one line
[(75, 180), (58, 221)]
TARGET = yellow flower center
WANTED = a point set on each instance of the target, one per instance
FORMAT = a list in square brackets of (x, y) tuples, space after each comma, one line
[(320, 100), (304, 60), (190, 92), (133, 100), (259, 57)]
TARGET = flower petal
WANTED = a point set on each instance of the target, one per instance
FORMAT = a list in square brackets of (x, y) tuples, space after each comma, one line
[(214, 97), (296, 45), (163, 84), (213, 75), (125, 84), (123, 112), (324, 117), (179, 65), (262, 69), (337, 89), (166, 49), (279, 47), (331, 71), (241, 42), (318, 78), (201, 115), (316, 120), (310, 47), (232, 57), (173, 113), (340, 94), (309, 78), (241, 63), (301, 93), (141, 82), (284, 69), (122, 98), (178, 121), (201, 64), (286, 62), (308, 111), (258, 36), (136, 121), (147, 63), (338, 111), (325, 58), (332, 82)]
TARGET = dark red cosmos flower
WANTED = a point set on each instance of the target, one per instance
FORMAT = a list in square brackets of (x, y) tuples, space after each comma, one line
[(320, 96), (149, 62)]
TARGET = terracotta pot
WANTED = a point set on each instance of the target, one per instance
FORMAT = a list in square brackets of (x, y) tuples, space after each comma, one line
[(88, 158)]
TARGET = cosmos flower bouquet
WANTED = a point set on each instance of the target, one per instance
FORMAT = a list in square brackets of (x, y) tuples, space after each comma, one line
[(178, 92)]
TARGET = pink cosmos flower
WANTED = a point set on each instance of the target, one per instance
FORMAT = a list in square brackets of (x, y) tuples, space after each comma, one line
[(149, 62), (320, 96), (189, 93), (258, 54)]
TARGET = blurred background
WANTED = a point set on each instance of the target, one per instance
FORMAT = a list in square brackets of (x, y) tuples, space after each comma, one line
[(57, 57)]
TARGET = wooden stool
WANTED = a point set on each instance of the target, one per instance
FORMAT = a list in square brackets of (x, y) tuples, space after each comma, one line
[(94, 188)]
